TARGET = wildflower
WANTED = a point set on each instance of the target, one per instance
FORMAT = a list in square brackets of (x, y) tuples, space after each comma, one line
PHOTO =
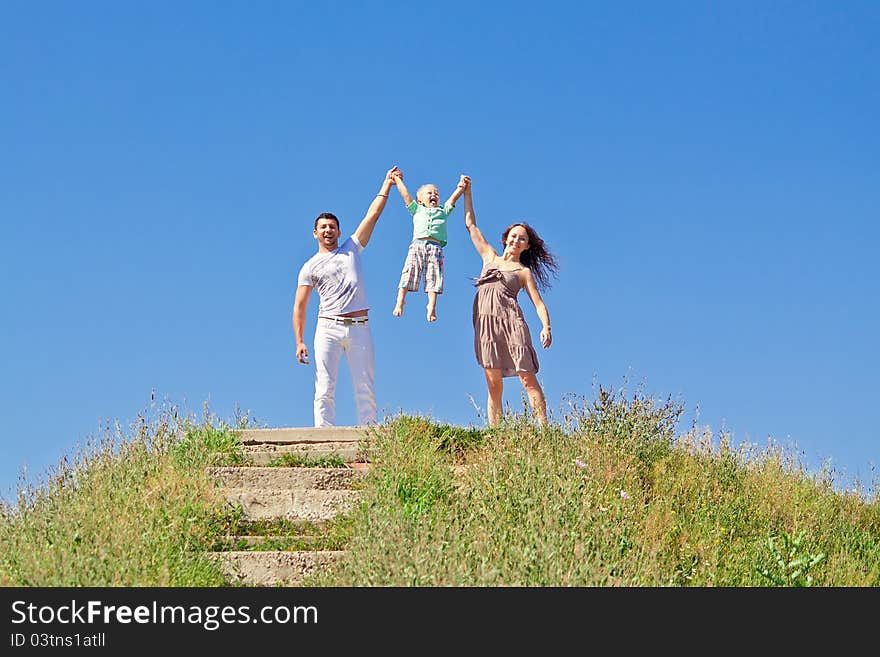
[(624, 494), (580, 463)]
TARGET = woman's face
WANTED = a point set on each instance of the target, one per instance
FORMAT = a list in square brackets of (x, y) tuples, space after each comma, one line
[(517, 240)]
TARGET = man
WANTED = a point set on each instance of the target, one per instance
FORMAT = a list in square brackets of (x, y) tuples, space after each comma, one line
[(343, 326)]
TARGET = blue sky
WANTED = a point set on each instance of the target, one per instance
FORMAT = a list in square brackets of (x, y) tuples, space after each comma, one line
[(706, 172)]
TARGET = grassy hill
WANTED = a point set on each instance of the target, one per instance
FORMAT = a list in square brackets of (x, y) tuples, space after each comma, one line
[(608, 496)]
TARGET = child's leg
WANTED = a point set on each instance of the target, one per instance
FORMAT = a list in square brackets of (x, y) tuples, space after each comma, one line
[(401, 300), (409, 277), (432, 306), (433, 278)]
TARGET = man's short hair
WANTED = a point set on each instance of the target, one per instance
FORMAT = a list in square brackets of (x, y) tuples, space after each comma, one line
[(327, 215)]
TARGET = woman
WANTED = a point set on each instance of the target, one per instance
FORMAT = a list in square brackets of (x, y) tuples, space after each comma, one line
[(502, 341)]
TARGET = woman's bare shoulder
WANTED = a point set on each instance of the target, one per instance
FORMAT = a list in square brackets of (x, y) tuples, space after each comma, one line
[(525, 275)]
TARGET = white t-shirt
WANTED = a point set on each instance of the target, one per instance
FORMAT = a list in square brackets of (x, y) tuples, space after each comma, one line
[(338, 278)]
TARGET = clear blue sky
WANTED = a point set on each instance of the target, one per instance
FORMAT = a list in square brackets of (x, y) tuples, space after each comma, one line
[(708, 174)]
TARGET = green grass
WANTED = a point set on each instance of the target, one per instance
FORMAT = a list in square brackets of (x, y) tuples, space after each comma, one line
[(130, 509), (284, 534), (290, 460), (608, 496)]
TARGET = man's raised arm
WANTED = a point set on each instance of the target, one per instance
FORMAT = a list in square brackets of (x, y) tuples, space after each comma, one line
[(365, 229)]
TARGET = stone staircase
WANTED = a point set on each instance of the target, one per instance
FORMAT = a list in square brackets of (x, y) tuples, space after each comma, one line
[(287, 495)]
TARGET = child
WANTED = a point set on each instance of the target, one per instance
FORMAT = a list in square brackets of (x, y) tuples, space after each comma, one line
[(424, 259)]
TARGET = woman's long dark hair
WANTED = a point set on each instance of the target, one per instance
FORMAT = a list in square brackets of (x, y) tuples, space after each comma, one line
[(537, 257)]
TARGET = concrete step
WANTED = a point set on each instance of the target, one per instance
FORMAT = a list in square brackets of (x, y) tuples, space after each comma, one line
[(275, 568), (262, 455), (241, 542), (297, 494), (282, 527), (285, 478), (291, 504), (292, 435)]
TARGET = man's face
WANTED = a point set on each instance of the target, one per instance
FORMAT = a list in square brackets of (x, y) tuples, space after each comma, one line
[(327, 233)]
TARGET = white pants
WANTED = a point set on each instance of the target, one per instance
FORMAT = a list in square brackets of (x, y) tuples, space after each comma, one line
[(356, 341)]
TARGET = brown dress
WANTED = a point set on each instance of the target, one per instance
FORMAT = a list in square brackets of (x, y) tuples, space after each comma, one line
[(501, 336)]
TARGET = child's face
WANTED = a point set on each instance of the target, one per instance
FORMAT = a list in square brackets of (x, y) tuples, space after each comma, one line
[(428, 195)]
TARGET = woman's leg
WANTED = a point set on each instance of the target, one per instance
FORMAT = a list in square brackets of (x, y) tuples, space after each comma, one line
[(495, 383), (536, 395)]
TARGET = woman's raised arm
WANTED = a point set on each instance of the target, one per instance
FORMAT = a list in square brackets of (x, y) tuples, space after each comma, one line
[(470, 222)]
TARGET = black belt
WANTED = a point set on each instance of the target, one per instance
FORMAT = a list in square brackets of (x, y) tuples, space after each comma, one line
[(347, 321)]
